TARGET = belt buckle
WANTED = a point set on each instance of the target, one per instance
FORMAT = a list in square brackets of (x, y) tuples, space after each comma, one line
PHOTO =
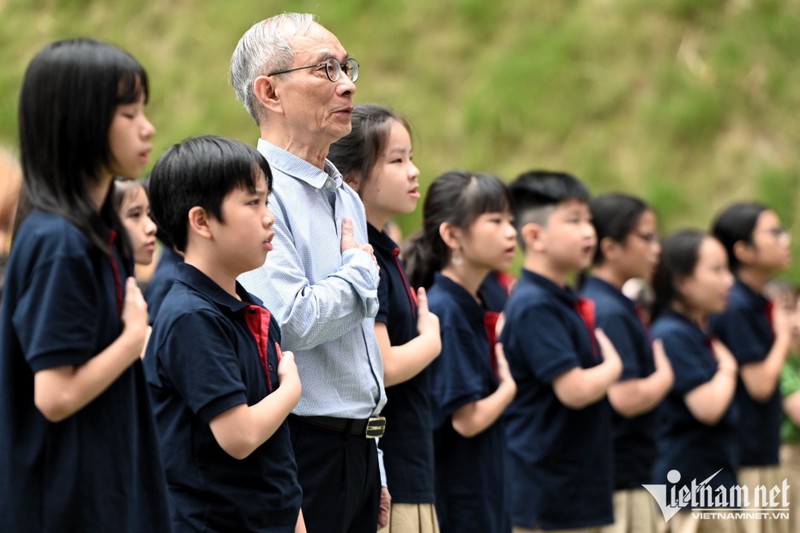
[(376, 425)]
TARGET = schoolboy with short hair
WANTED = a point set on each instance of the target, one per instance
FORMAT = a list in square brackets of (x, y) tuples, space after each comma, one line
[(221, 390), (558, 427)]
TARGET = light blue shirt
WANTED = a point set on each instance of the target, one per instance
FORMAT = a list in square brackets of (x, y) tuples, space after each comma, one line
[(324, 300)]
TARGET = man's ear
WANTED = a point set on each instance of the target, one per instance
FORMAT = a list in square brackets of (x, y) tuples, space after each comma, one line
[(198, 222), (265, 92)]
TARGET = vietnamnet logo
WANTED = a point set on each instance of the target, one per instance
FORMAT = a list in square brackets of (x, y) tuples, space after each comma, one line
[(709, 503)]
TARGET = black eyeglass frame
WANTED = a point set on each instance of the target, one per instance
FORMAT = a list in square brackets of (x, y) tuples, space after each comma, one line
[(330, 64)]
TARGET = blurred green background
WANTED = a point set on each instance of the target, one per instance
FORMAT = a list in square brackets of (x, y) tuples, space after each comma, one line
[(688, 103)]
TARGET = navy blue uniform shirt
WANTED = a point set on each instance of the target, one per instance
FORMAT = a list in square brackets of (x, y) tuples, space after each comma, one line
[(685, 444), (407, 443), (634, 439), (559, 459), (470, 481), (99, 469), (204, 358), (162, 279), (746, 329)]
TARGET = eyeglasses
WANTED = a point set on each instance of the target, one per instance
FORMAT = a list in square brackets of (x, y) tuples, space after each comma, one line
[(778, 233), (649, 238), (333, 69)]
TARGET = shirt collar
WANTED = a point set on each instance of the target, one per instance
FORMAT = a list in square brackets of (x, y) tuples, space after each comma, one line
[(608, 289), (753, 298), (290, 164), (459, 294), (197, 280), (565, 294), (380, 239)]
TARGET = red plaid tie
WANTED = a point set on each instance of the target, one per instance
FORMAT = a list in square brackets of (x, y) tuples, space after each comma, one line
[(257, 319), (490, 319), (585, 308)]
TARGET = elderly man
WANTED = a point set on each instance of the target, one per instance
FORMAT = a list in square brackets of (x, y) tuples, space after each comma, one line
[(297, 82)]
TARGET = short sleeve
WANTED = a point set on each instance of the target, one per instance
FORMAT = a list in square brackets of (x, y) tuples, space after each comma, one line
[(56, 315), (737, 328), (383, 296), (690, 362), (541, 341), (457, 376), (619, 330), (199, 360)]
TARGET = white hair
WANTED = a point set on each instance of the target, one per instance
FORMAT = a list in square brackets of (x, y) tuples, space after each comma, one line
[(265, 47)]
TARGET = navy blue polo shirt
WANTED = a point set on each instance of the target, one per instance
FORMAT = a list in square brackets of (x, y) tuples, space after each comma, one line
[(634, 439), (407, 444), (99, 469), (162, 279), (685, 444), (559, 459), (494, 291), (203, 359), (470, 480), (746, 329)]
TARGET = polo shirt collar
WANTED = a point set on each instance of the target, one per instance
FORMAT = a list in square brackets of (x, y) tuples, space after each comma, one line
[(753, 299), (611, 291), (564, 294), (461, 295), (195, 279), (380, 239), (298, 168)]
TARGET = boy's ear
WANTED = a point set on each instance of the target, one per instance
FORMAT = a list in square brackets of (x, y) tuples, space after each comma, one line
[(198, 222), (532, 234), (265, 93)]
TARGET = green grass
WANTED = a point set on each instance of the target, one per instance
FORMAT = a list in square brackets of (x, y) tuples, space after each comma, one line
[(690, 104)]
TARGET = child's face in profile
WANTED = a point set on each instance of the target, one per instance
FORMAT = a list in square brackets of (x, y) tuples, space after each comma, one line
[(129, 139), (134, 210), (569, 238), (392, 187), (490, 242), (245, 237), (706, 289)]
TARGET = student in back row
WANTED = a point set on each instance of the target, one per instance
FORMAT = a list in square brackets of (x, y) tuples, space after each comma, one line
[(628, 247), (221, 389), (559, 425)]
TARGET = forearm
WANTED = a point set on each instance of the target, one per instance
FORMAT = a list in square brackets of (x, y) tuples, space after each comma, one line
[(709, 402), (761, 379), (242, 429), (474, 418), (403, 362), (581, 387), (634, 397), (63, 391)]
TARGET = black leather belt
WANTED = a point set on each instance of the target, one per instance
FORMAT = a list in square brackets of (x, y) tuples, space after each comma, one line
[(370, 428)]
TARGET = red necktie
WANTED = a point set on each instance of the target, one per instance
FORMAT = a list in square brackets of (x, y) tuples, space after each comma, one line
[(585, 308), (412, 298), (490, 319), (257, 319)]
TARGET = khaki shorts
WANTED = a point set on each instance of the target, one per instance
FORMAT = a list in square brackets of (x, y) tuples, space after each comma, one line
[(411, 518)]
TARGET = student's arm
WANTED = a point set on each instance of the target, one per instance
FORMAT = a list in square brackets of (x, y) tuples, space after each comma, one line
[(403, 362), (633, 397), (242, 429), (301, 523), (580, 387), (475, 417), (60, 392), (709, 402), (761, 378)]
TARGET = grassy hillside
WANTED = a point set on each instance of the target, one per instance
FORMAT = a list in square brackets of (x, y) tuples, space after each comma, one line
[(688, 103)]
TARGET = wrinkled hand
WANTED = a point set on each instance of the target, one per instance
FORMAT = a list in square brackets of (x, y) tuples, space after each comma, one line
[(349, 240), (385, 505)]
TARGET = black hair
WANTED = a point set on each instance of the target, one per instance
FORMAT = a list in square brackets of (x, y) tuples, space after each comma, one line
[(536, 190), (69, 96), (680, 253), (200, 171), (123, 188), (736, 223), (356, 154), (614, 216), (458, 197)]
